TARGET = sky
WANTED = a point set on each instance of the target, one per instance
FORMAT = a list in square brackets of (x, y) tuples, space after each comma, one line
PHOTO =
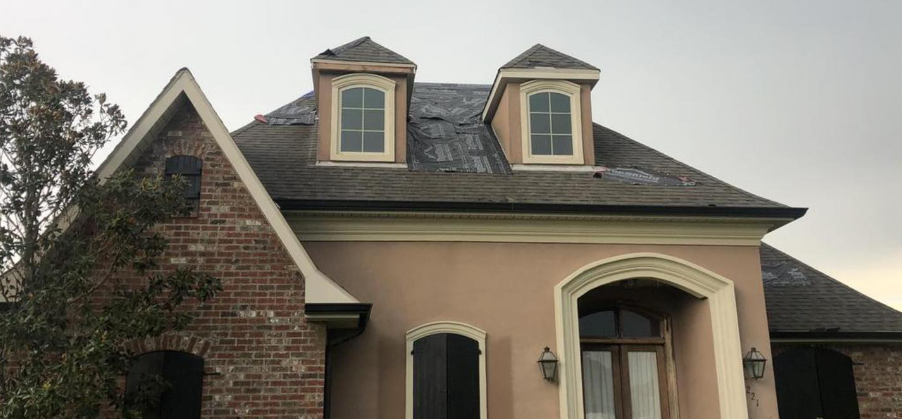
[(796, 101)]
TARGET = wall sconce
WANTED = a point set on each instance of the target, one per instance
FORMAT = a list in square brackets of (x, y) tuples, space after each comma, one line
[(753, 364), (548, 364)]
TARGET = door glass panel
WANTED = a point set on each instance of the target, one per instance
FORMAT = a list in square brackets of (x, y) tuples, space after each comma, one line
[(598, 325), (598, 385), (645, 397), (635, 325)]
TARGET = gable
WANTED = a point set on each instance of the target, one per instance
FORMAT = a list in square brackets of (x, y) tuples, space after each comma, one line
[(181, 91)]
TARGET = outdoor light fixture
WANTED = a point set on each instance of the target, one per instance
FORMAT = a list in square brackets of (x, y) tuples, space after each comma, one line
[(548, 364), (753, 364)]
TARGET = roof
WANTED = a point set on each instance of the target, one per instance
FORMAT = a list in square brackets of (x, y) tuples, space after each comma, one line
[(542, 56), (804, 301), (363, 50), (454, 159)]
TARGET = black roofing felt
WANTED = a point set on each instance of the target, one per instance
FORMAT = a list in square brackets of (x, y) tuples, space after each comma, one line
[(542, 56), (804, 301), (363, 49), (284, 157)]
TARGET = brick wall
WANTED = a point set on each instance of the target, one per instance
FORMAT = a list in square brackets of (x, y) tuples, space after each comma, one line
[(878, 377), (261, 358)]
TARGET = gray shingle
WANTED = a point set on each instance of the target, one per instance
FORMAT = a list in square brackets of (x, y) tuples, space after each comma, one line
[(542, 56), (284, 157), (363, 49), (802, 299)]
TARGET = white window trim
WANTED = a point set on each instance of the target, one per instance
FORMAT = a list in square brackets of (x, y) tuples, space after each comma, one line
[(563, 87), (456, 328), (691, 278), (372, 81)]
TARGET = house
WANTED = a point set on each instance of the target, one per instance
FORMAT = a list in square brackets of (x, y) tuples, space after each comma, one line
[(394, 249)]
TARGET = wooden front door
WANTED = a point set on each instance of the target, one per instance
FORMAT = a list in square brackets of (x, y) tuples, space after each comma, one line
[(815, 383)]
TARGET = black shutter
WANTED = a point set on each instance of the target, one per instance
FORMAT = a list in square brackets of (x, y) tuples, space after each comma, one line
[(430, 382), (839, 397), (185, 374), (181, 375), (798, 393), (146, 369), (463, 377), (188, 168)]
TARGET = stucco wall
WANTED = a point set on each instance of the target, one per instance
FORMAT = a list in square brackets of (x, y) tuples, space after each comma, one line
[(507, 290)]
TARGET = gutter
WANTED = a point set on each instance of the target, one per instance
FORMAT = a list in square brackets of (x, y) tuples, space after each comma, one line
[(337, 335), (836, 337), (514, 207)]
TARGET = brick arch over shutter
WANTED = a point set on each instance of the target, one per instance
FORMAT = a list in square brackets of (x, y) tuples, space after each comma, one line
[(178, 342)]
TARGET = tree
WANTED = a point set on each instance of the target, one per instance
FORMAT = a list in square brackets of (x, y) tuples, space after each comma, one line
[(79, 255)]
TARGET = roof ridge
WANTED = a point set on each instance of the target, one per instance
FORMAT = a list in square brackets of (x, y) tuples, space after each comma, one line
[(828, 277)]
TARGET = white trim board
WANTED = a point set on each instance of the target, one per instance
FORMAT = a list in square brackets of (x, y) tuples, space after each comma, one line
[(318, 287)]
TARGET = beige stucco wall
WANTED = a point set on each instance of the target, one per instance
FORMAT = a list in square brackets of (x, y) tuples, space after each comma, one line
[(507, 290), (324, 109)]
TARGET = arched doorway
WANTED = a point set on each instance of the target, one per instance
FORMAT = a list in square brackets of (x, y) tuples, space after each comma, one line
[(815, 383), (722, 338)]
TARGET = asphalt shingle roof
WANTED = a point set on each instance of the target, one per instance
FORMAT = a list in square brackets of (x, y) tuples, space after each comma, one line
[(542, 56), (284, 157), (363, 49), (800, 298)]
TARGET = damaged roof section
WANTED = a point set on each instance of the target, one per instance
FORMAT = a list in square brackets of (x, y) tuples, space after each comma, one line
[(363, 50), (804, 301)]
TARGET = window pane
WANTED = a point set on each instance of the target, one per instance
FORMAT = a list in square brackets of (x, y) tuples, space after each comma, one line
[(563, 145), (539, 123), (560, 123), (374, 120), (598, 385), (635, 325), (560, 103), (373, 142), (351, 119), (598, 325), (538, 102), (351, 141), (645, 398), (373, 99), (541, 145), (352, 98)]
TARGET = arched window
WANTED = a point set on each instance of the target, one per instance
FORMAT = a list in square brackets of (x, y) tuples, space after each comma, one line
[(166, 385), (551, 122), (363, 118), (446, 372), (188, 168), (623, 362)]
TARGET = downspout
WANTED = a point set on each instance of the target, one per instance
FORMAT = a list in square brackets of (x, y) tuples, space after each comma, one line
[(334, 338)]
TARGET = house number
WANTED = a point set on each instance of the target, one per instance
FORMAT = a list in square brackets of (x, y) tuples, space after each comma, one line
[(752, 396)]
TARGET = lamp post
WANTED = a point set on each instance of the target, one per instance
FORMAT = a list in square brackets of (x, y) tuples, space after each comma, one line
[(753, 364), (548, 364)]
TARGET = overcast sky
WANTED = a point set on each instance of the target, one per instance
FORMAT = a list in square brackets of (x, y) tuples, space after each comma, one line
[(797, 101)]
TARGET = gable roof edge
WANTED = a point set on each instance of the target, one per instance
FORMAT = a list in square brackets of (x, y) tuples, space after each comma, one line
[(319, 288)]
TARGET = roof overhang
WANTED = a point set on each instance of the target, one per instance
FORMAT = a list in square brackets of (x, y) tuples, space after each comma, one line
[(339, 316), (514, 75)]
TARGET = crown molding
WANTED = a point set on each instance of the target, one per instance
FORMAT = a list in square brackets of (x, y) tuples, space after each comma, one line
[(527, 228)]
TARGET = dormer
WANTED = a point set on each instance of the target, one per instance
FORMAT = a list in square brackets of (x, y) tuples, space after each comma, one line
[(540, 108), (362, 94)]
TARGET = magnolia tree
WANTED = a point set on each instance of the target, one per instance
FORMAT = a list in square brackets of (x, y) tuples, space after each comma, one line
[(67, 240)]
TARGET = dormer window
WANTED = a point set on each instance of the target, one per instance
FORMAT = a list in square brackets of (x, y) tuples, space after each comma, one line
[(363, 118), (551, 125)]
